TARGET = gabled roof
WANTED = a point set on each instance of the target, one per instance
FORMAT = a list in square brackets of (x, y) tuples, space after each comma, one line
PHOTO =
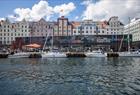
[(42, 20)]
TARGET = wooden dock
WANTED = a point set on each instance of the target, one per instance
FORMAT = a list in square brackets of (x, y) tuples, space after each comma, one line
[(75, 54), (112, 54)]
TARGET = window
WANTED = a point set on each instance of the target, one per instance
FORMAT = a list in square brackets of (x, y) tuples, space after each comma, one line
[(86, 31), (102, 31)]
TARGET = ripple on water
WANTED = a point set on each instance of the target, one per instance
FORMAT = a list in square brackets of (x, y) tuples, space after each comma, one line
[(70, 76)]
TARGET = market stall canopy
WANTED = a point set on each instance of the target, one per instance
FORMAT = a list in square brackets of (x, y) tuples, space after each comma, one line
[(33, 46)]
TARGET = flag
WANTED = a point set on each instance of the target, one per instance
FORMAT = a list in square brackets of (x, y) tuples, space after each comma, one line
[(61, 10)]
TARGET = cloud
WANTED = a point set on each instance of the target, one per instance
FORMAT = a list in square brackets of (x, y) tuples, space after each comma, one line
[(104, 9), (2, 19), (41, 10), (64, 9), (77, 17)]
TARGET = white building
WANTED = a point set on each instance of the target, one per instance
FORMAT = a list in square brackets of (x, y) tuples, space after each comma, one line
[(6, 32), (89, 27), (9, 31), (133, 28), (114, 26)]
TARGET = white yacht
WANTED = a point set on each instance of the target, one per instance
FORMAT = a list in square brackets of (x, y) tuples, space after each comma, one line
[(129, 54), (19, 55), (95, 53)]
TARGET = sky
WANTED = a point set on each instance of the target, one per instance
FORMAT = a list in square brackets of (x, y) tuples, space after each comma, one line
[(75, 10)]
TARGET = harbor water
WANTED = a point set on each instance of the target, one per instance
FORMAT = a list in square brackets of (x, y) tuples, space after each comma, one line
[(70, 76)]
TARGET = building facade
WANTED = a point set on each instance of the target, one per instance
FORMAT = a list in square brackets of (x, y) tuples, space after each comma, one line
[(41, 28), (85, 33), (133, 28), (88, 27), (9, 31), (62, 27), (114, 26)]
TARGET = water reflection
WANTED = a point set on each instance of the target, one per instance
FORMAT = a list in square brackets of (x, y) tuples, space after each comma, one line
[(70, 76)]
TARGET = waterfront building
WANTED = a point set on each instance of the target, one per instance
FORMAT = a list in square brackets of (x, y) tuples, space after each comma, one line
[(87, 33), (6, 33), (86, 27), (114, 26), (89, 27), (62, 27), (9, 31), (133, 28), (41, 28)]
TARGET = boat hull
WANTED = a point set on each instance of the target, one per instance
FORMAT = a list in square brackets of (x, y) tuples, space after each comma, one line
[(19, 55), (54, 55), (129, 54)]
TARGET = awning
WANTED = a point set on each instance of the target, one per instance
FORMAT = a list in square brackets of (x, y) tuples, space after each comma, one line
[(33, 46)]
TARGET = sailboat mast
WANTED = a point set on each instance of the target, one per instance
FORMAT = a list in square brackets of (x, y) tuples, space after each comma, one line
[(128, 36), (52, 39)]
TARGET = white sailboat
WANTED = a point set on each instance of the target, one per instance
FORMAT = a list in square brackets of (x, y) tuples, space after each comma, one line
[(128, 53), (19, 55), (95, 53), (51, 53)]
